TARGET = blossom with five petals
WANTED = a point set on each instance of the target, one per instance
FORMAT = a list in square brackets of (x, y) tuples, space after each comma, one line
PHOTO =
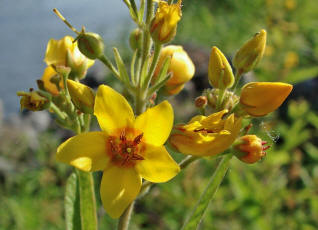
[(126, 150), (206, 136)]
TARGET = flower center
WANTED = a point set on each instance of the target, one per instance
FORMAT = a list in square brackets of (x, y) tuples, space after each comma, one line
[(123, 151)]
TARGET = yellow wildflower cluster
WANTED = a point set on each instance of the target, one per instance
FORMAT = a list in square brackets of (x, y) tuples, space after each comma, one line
[(129, 148)]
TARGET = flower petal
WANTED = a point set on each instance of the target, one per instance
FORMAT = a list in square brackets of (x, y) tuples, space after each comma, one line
[(112, 110), (86, 151), (157, 166), (48, 73), (56, 50), (156, 123), (119, 187)]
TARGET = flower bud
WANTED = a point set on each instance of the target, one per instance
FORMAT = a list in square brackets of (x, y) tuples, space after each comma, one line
[(91, 45), (181, 68), (220, 71), (52, 82), (82, 96), (135, 39), (260, 98), (248, 56), (65, 52), (164, 25), (201, 102), (250, 149), (32, 101)]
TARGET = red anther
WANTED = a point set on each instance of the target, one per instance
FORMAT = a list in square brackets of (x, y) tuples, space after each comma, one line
[(204, 130), (137, 157), (122, 136), (248, 128), (266, 147), (138, 139), (264, 142)]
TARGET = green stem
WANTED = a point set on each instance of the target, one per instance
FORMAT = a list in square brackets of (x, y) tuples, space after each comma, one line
[(147, 40), (124, 219), (153, 65), (220, 99), (238, 75), (110, 66), (198, 212), (61, 116), (140, 103)]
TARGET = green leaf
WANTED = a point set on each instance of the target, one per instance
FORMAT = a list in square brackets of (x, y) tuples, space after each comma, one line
[(141, 11), (302, 75), (87, 200), (197, 214), (121, 66), (71, 204)]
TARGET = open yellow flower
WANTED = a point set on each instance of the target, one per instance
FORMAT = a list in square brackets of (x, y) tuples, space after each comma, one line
[(260, 98), (206, 136), (127, 149), (65, 52)]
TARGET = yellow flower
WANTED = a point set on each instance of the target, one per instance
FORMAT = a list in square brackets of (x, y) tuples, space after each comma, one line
[(49, 86), (181, 67), (249, 55), (261, 98), (164, 25), (220, 71), (250, 149), (65, 52), (32, 101), (82, 96), (206, 136), (127, 149)]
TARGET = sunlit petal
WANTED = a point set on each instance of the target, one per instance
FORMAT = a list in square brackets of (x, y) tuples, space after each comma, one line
[(157, 166), (86, 151), (112, 110), (119, 187), (156, 123)]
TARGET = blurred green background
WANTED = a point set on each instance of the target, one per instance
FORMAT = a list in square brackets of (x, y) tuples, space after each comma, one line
[(280, 192)]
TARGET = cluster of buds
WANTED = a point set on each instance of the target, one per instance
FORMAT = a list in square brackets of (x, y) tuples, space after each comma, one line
[(217, 132)]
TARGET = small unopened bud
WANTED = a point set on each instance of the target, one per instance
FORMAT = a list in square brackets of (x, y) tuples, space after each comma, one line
[(229, 100), (250, 148), (82, 96), (91, 45), (220, 71), (63, 70), (201, 102), (32, 101), (135, 39), (249, 55), (164, 25)]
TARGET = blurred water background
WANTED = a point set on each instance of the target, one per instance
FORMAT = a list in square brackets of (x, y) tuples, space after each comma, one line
[(26, 27)]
